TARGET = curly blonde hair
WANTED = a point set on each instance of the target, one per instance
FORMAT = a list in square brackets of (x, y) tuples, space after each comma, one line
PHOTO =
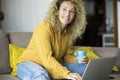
[(77, 27)]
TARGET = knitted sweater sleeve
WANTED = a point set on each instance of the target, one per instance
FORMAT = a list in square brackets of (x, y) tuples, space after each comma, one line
[(69, 56)]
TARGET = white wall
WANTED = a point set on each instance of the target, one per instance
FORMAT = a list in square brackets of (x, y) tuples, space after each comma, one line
[(23, 15), (118, 24), (109, 15)]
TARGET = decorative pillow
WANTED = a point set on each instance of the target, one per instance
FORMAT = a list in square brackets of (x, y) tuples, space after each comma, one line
[(89, 52), (15, 53), (91, 55)]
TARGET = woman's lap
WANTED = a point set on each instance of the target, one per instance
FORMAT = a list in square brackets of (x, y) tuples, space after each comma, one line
[(75, 67), (33, 71)]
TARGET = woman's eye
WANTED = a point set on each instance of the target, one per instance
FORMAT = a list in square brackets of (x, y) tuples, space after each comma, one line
[(72, 11), (64, 9)]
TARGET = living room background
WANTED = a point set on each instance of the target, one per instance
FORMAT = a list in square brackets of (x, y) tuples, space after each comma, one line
[(24, 15)]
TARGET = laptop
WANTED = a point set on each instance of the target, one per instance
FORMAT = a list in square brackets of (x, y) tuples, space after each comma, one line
[(99, 69)]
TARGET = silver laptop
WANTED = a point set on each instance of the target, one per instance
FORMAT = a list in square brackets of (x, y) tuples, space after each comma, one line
[(99, 69)]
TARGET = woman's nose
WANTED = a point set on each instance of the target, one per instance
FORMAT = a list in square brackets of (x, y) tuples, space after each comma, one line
[(67, 13)]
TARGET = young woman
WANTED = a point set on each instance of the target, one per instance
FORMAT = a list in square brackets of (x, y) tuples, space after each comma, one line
[(49, 54)]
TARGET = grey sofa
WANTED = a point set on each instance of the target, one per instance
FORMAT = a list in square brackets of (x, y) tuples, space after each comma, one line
[(22, 39)]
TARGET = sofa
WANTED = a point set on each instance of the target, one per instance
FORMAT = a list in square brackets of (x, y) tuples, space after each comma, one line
[(22, 39)]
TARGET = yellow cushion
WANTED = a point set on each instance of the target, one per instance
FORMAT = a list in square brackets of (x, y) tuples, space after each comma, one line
[(91, 55), (89, 52), (15, 53)]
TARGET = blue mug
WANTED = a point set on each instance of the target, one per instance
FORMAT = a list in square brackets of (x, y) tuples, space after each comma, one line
[(80, 55)]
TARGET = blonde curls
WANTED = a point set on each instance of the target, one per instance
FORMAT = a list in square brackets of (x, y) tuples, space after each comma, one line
[(78, 25)]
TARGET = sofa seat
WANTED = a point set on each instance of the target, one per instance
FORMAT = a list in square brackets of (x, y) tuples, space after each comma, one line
[(115, 76), (7, 77)]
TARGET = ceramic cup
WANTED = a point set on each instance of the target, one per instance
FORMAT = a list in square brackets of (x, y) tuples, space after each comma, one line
[(80, 55)]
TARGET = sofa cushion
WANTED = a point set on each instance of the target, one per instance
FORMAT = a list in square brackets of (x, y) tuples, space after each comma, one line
[(4, 53), (15, 53), (8, 77), (20, 39), (106, 51)]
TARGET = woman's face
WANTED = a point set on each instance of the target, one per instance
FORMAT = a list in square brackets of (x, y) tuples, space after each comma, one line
[(66, 12)]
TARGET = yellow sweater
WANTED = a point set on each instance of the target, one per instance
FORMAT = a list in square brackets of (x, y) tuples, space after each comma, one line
[(50, 48)]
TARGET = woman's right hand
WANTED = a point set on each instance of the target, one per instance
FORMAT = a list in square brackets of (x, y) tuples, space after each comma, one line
[(74, 76)]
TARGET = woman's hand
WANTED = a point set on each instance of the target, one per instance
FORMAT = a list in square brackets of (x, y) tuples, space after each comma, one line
[(74, 76), (84, 60)]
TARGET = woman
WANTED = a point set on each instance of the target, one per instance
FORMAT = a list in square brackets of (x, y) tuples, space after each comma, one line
[(49, 53)]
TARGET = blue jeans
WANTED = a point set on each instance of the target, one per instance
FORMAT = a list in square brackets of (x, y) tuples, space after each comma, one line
[(33, 71)]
